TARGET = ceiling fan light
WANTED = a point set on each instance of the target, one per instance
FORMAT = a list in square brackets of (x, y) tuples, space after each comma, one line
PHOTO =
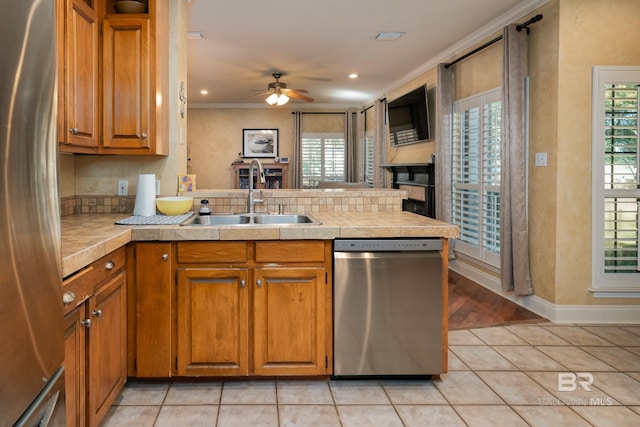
[(272, 99), (283, 99)]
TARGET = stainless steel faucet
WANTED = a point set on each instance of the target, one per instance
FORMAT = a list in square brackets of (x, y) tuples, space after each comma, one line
[(251, 201)]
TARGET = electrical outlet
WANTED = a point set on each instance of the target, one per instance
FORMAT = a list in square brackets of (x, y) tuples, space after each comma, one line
[(123, 187)]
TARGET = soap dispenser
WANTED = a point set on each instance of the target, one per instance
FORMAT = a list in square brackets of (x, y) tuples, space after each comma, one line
[(204, 208)]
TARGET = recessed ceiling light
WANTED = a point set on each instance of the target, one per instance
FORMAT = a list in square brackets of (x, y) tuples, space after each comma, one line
[(204, 92), (353, 76), (195, 35), (389, 35)]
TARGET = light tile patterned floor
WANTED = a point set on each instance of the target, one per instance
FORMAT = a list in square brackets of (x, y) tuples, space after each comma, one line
[(505, 375)]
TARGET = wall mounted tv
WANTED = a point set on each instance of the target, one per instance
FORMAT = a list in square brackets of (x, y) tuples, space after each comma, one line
[(409, 118)]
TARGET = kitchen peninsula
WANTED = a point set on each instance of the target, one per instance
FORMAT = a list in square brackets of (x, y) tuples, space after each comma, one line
[(361, 213), (167, 267)]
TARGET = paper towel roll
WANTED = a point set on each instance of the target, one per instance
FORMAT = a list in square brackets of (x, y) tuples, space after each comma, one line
[(146, 195)]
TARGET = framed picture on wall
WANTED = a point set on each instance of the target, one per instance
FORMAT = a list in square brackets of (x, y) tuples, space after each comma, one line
[(259, 142)]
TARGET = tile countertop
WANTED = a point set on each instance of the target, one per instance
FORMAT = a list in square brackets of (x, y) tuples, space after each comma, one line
[(86, 238)]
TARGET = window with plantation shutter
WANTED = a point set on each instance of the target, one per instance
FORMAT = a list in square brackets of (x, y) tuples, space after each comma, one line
[(616, 182), (369, 153), (323, 158), (475, 166)]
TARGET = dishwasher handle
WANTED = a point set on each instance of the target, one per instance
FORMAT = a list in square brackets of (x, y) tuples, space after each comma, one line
[(387, 245)]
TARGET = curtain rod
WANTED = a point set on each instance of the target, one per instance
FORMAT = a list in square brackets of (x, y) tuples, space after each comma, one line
[(323, 112), (519, 27)]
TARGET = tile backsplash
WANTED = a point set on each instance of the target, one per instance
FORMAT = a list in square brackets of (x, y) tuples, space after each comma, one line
[(96, 204), (233, 201)]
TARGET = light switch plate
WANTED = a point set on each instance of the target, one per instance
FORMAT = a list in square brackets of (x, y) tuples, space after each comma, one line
[(123, 187), (541, 159)]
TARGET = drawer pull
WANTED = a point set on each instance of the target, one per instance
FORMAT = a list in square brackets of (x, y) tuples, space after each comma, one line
[(259, 283), (97, 313), (109, 265), (165, 257), (86, 323), (68, 297), (243, 283), (74, 131)]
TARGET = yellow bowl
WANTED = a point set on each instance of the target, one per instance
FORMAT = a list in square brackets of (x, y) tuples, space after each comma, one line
[(176, 205)]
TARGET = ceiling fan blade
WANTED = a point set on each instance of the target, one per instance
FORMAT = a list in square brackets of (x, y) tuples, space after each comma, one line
[(295, 90), (296, 95), (262, 93)]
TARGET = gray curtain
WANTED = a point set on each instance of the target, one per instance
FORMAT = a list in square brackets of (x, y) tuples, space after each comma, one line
[(444, 104), (297, 150), (380, 141), (514, 236), (360, 136), (351, 143)]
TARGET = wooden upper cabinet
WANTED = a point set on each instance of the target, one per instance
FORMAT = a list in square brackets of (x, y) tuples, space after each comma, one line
[(77, 76), (126, 85), (113, 75)]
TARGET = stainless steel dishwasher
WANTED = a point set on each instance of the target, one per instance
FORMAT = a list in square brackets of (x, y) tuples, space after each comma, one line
[(387, 307)]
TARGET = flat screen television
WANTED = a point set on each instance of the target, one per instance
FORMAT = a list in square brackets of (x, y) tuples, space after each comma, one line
[(409, 117)]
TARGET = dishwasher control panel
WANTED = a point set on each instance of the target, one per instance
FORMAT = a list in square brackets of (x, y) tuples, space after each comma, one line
[(380, 245)]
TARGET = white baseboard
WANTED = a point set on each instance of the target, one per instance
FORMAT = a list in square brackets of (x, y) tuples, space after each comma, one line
[(578, 314)]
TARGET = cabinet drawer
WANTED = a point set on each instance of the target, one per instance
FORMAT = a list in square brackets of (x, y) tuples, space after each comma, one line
[(83, 283), (77, 288), (108, 266), (290, 251), (202, 252)]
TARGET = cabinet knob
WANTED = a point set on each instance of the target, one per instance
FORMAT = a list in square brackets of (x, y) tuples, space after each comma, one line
[(86, 323), (68, 297), (97, 313), (243, 283), (259, 283), (109, 265), (165, 257), (74, 131), (144, 135)]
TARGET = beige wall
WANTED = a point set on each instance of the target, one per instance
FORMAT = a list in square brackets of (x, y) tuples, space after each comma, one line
[(543, 135), (215, 139), (591, 32)]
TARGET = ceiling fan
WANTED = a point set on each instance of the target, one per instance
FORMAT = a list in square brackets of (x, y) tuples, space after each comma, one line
[(279, 94)]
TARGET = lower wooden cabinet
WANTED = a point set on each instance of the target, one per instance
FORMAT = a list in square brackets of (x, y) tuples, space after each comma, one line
[(75, 368), (213, 322), (150, 318), (107, 359), (232, 309), (95, 339), (288, 321)]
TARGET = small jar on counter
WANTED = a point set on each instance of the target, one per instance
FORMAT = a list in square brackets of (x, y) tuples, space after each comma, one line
[(204, 207)]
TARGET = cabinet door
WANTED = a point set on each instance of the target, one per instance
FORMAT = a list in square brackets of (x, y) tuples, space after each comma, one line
[(289, 321), (74, 366), (78, 93), (152, 292), (213, 319), (126, 85), (107, 346)]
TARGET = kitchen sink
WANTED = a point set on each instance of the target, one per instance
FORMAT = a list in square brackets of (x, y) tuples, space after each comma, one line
[(251, 220), (219, 220), (282, 219)]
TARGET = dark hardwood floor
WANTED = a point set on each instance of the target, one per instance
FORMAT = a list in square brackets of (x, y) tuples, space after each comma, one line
[(473, 306)]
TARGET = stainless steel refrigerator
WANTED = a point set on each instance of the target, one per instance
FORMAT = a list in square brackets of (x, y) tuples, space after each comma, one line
[(31, 318)]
